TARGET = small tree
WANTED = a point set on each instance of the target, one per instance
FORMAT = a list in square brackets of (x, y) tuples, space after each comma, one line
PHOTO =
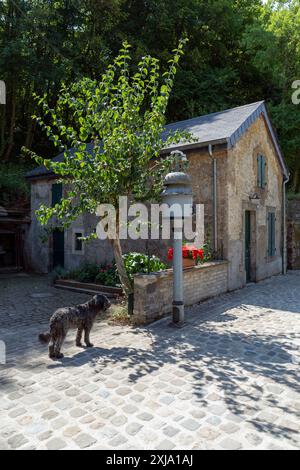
[(123, 116)]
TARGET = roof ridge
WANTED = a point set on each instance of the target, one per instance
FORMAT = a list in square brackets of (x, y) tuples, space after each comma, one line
[(258, 103)]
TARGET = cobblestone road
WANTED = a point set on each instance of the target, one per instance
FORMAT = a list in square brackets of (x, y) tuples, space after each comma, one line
[(228, 380)]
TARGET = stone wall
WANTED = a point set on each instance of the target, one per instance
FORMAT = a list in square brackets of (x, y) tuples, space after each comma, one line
[(153, 293), (293, 234), (37, 243), (241, 183)]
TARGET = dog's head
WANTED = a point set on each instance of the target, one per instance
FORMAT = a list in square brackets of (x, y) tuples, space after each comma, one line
[(100, 302)]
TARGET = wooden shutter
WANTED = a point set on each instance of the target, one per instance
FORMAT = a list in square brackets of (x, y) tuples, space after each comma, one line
[(271, 234), (57, 191), (259, 175), (263, 172)]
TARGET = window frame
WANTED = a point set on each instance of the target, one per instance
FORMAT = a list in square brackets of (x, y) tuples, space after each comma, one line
[(76, 231)]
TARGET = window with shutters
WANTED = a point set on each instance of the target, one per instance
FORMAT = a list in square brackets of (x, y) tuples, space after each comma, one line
[(271, 234), (261, 171)]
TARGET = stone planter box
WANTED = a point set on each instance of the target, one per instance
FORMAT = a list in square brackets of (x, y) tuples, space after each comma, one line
[(153, 293), (88, 287)]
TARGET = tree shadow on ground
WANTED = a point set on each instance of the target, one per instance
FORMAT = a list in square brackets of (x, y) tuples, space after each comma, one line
[(236, 362)]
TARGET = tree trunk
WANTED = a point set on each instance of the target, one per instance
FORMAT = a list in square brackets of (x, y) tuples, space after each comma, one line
[(125, 281)]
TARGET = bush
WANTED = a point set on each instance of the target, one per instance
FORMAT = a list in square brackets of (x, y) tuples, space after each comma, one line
[(86, 273), (107, 275), (138, 263)]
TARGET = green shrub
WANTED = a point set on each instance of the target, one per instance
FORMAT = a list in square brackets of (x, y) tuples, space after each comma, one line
[(107, 275), (138, 263), (86, 273)]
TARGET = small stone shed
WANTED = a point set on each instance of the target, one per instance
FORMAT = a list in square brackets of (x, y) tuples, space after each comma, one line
[(239, 174)]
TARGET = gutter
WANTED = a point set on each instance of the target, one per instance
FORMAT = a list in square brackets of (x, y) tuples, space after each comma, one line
[(214, 201)]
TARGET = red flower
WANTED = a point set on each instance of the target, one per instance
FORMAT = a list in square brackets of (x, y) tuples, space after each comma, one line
[(170, 254)]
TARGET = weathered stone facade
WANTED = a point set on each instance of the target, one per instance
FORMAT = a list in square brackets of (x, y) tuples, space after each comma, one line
[(294, 234), (153, 294), (241, 185)]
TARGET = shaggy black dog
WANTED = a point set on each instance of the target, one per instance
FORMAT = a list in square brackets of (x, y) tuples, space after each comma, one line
[(81, 317)]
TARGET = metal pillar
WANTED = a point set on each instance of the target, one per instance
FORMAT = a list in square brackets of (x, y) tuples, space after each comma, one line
[(178, 303)]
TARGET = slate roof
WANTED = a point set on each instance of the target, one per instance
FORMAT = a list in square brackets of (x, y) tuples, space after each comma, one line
[(225, 127)]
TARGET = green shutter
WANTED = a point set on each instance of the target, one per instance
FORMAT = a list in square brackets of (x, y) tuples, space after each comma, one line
[(263, 172), (57, 191), (259, 175), (271, 234), (273, 218)]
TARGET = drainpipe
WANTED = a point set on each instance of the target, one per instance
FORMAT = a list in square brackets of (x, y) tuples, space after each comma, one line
[(284, 230), (215, 208)]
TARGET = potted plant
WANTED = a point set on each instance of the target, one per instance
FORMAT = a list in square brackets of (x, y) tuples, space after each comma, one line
[(190, 254)]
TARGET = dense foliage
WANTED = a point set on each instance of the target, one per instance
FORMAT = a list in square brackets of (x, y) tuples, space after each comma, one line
[(239, 51), (107, 275)]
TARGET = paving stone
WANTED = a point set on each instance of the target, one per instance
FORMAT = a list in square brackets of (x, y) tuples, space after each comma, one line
[(230, 444), (71, 431), (133, 428), (84, 440), (45, 435), (170, 431), (230, 428), (77, 413), (17, 412), (118, 441), (119, 420), (56, 444), (190, 424), (17, 441), (208, 433), (50, 415), (59, 423), (145, 416), (165, 445)]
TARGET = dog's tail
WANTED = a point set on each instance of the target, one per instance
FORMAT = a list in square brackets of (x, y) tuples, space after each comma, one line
[(45, 338)]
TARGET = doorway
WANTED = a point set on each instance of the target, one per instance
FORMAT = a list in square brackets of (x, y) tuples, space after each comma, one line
[(58, 249), (250, 246), (7, 249)]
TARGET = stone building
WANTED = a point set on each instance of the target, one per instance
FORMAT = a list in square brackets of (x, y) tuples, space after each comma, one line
[(238, 173)]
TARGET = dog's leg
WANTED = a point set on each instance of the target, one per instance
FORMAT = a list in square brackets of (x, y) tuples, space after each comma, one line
[(78, 337), (87, 331), (51, 350), (58, 345)]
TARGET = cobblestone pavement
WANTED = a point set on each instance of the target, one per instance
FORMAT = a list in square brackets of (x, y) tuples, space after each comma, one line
[(228, 380)]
